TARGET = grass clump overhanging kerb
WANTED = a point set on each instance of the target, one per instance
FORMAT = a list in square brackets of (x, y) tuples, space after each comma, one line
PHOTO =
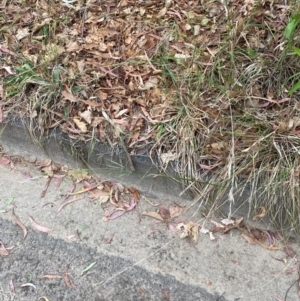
[(209, 89)]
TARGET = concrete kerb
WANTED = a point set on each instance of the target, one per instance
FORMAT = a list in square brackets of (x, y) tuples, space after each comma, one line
[(106, 162), (112, 164)]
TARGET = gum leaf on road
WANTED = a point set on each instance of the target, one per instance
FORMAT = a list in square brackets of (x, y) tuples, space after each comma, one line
[(39, 227), (3, 250), (69, 202), (17, 221)]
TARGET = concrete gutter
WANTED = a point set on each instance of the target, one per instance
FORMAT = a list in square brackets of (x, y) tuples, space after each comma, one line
[(112, 164), (107, 162)]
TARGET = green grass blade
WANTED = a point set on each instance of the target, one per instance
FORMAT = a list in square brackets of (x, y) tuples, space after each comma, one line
[(294, 88), (290, 28), (296, 50), (88, 268)]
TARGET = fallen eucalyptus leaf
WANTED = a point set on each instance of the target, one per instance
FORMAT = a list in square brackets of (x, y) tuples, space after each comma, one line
[(3, 250), (154, 215), (39, 227), (11, 286), (17, 221), (69, 202), (67, 280)]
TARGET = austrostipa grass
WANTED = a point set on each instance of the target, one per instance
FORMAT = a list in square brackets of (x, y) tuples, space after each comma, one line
[(235, 124)]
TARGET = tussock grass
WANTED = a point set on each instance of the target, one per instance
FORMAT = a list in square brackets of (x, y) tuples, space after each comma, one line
[(236, 129)]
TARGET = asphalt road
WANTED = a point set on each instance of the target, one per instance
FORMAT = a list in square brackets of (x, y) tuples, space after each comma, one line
[(41, 255)]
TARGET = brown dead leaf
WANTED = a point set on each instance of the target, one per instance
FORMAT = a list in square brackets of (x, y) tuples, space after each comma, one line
[(39, 227), (175, 210), (185, 230), (22, 33), (147, 115), (290, 252), (86, 115), (154, 215), (248, 238), (188, 230), (72, 46), (102, 95), (261, 214), (17, 221), (8, 69), (162, 12), (69, 202), (81, 125), (96, 194), (67, 94), (81, 65), (4, 49), (120, 113), (167, 157), (136, 194), (164, 213), (48, 171), (43, 193), (150, 83), (67, 280), (257, 234), (45, 163), (195, 232), (237, 224), (91, 103), (218, 225), (79, 174), (218, 145)]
